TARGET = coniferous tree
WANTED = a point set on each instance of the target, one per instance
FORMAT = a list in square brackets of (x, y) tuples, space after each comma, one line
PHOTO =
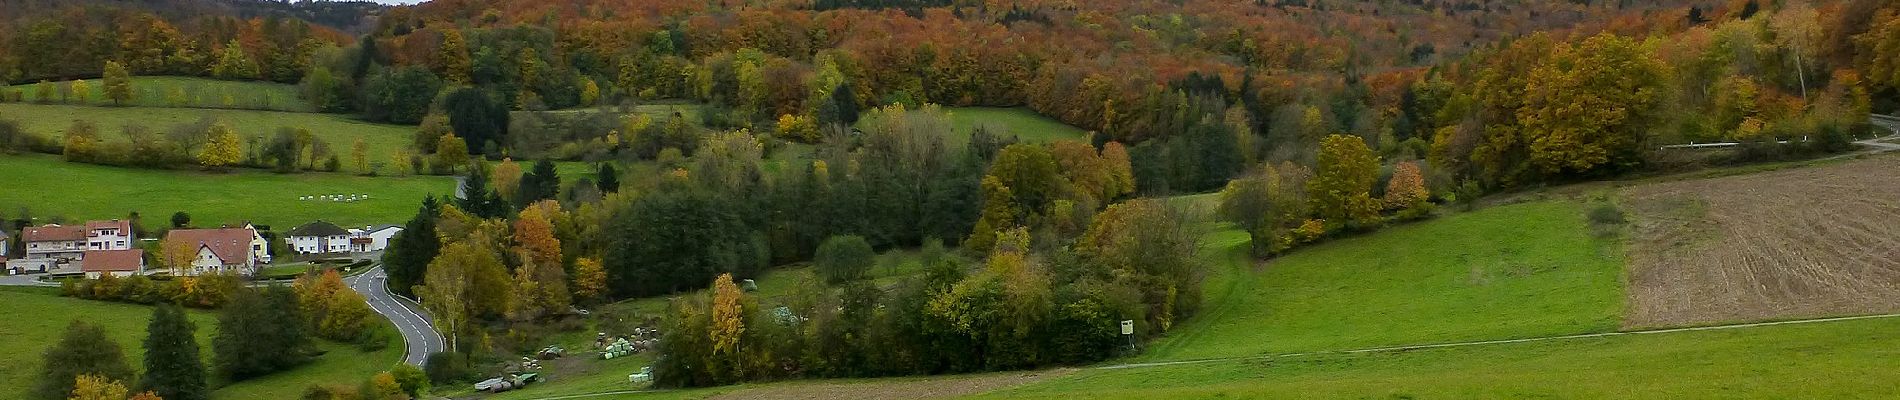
[(82, 350), (607, 178), (542, 183), (409, 253), (173, 368)]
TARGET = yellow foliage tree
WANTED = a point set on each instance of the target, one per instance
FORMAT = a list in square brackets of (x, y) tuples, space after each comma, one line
[(590, 280), (506, 178), (1407, 187), (359, 156), (118, 83), (221, 147), (82, 91), (451, 152), (94, 387), (728, 315), (452, 59)]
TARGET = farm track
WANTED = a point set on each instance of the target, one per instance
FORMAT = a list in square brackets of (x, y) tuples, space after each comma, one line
[(1786, 244)]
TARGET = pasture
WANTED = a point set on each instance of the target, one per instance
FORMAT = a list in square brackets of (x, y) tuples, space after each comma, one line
[(179, 91), (45, 186), (1513, 271), (37, 316), (338, 131)]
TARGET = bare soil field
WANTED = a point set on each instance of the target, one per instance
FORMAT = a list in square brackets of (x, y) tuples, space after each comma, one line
[(1805, 242), (898, 388)]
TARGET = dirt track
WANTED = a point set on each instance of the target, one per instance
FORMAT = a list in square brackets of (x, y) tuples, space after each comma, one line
[(1806, 242)]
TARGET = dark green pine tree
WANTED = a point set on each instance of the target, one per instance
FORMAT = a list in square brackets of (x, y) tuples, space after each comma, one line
[(407, 259), (83, 349), (541, 183), (607, 178), (480, 200), (173, 368)]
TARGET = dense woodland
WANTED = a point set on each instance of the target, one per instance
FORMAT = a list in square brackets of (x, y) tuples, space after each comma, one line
[(1313, 118)]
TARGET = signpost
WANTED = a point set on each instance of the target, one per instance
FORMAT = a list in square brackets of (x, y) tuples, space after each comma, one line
[(1128, 331)]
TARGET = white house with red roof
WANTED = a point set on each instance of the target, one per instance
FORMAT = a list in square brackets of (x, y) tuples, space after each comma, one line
[(222, 250), (109, 235), (54, 241)]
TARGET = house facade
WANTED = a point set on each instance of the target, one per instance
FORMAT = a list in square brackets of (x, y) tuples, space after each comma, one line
[(222, 250), (109, 235), (319, 237), (5, 244), (54, 241), (117, 263), (372, 238)]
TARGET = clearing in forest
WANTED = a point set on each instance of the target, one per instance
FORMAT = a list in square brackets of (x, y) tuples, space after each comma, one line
[(1808, 242)]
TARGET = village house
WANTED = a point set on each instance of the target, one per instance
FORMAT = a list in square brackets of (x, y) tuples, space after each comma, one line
[(222, 250), (53, 241), (372, 238), (4, 244), (118, 263), (109, 235), (319, 237)]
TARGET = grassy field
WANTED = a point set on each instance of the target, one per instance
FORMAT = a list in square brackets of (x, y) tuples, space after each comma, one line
[(47, 187), (1021, 122), (339, 131), (35, 317), (156, 91), (1829, 360), (1506, 272)]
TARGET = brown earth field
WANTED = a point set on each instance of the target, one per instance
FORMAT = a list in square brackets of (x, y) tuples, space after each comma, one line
[(1806, 242), (898, 388)]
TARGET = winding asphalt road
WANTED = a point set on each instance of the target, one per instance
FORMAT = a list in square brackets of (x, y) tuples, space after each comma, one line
[(418, 334)]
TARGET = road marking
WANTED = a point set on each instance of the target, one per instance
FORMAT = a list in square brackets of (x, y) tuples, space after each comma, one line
[(1503, 341)]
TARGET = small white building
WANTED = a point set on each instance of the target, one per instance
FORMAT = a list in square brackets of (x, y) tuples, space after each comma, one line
[(319, 237), (372, 238), (109, 235)]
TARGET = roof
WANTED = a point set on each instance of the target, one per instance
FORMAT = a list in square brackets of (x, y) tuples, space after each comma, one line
[(53, 232), (384, 227), (122, 225), (319, 228), (231, 245), (113, 260)]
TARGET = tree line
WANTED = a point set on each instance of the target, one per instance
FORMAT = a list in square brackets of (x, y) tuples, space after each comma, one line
[(259, 331)]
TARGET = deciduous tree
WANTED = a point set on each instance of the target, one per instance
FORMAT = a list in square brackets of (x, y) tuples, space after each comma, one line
[(118, 83), (1341, 188), (222, 148), (82, 349)]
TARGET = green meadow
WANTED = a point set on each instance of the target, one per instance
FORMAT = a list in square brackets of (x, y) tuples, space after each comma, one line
[(46, 186), (35, 318)]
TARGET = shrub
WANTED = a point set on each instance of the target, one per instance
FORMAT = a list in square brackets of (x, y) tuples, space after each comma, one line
[(446, 366), (843, 259), (1606, 214)]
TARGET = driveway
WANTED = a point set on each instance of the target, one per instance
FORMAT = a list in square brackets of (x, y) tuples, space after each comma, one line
[(418, 334)]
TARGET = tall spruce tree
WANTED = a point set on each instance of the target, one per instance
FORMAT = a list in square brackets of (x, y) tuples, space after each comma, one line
[(82, 350), (407, 259), (541, 183), (607, 178), (173, 368)]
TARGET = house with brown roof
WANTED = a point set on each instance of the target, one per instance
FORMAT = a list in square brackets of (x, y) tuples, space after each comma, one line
[(222, 250), (118, 263), (54, 241)]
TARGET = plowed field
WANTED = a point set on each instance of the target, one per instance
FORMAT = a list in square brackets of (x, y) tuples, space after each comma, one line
[(1806, 242)]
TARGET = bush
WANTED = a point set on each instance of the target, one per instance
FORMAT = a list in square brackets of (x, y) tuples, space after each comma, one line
[(843, 259), (1606, 214), (446, 367)]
